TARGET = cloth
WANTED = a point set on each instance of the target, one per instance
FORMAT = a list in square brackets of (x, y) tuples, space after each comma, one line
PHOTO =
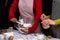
[(37, 11), (7, 35), (32, 36), (57, 21), (26, 10), (47, 7), (22, 24), (4, 21), (56, 15)]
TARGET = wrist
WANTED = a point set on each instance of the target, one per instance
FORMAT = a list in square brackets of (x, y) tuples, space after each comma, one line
[(52, 22), (14, 20)]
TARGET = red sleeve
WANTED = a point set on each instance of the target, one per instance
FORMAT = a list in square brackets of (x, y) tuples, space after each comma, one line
[(38, 6), (12, 9)]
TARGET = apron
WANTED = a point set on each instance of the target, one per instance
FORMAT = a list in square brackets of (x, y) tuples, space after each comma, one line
[(26, 12)]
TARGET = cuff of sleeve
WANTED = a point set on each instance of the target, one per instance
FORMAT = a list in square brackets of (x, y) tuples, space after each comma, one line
[(57, 21), (49, 16)]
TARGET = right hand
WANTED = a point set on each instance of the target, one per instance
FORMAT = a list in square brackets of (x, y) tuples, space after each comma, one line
[(14, 20), (45, 23), (24, 29), (51, 22)]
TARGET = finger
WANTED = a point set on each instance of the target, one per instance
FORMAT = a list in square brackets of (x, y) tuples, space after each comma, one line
[(45, 23), (43, 16), (51, 22), (24, 30), (13, 20)]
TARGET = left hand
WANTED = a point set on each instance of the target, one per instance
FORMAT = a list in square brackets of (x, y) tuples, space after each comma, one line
[(48, 22), (24, 29), (45, 23)]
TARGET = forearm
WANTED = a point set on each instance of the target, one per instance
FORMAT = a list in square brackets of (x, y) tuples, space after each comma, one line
[(37, 17), (34, 26), (12, 9), (57, 21)]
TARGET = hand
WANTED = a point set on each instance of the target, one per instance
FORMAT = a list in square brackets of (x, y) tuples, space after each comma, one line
[(48, 22), (43, 17), (51, 22), (24, 29), (45, 23), (11, 38), (14, 20)]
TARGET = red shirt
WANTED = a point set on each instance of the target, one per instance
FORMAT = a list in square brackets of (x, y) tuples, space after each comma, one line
[(37, 5)]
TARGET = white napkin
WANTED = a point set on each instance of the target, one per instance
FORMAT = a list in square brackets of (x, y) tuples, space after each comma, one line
[(24, 24), (46, 26), (41, 36)]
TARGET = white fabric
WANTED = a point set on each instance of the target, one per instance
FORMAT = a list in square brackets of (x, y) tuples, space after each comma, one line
[(1, 37), (17, 35), (26, 10), (41, 36), (32, 36), (7, 35), (26, 25), (26, 13), (48, 26)]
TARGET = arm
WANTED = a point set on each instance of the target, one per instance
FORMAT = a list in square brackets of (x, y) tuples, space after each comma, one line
[(57, 21), (13, 9), (51, 22), (38, 14)]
